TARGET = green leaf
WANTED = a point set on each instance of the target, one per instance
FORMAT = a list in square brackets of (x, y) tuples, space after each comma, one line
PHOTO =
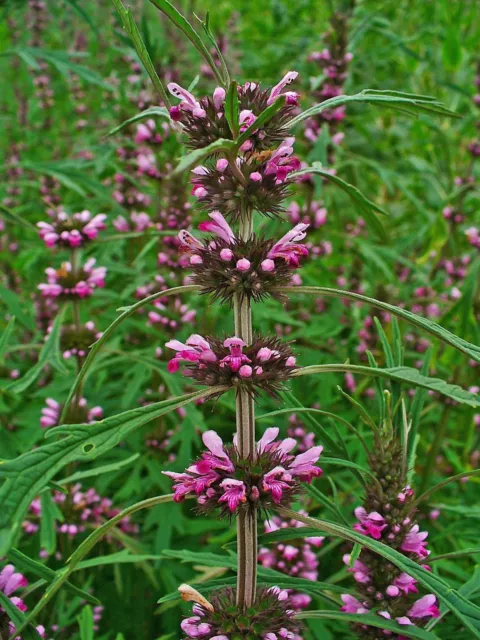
[(97, 471), (82, 13), (467, 612), (473, 351), (264, 117), (452, 45), (50, 354), (85, 547), (183, 24), (23, 562), (206, 27), (14, 304), (366, 206), (232, 108), (194, 157), (405, 375), (127, 312), (27, 475), (48, 538), (161, 112), (409, 103), (85, 621), (18, 618), (371, 620), (132, 30), (14, 218), (6, 336)]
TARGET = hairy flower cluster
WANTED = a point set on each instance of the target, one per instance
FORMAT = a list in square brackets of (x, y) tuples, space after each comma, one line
[(256, 182), (79, 413), (76, 341), (71, 230), (258, 178), (10, 581), (269, 618), (204, 120), (69, 284), (226, 265), (265, 364), (171, 312), (333, 61), (388, 516), (223, 479), (81, 510), (296, 558)]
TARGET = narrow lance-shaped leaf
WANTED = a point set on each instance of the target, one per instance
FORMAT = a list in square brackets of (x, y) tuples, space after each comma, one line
[(24, 477), (152, 112), (467, 612), (472, 350), (194, 157), (405, 375), (50, 354), (127, 312), (15, 219), (231, 108), (371, 620), (132, 30), (6, 336), (408, 103), (182, 23), (24, 563), (366, 206), (84, 548), (18, 618)]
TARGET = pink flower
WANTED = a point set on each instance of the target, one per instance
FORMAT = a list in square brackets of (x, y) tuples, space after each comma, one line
[(303, 465), (234, 493), (188, 102), (352, 605), (426, 607), (287, 247), (219, 227), (371, 524), (414, 542), (405, 583), (236, 358), (197, 349), (10, 580), (361, 572), (273, 483), (282, 161), (290, 96)]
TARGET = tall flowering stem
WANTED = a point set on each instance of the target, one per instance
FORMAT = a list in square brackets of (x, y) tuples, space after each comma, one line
[(245, 416)]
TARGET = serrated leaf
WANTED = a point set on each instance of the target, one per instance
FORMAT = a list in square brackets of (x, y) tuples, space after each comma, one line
[(25, 477), (472, 350), (366, 206), (160, 112)]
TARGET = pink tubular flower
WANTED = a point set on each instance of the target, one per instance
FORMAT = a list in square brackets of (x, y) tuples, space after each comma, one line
[(222, 478), (219, 227), (282, 161), (67, 284), (71, 230), (371, 524), (352, 605), (290, 96), (197, 349), (426, 607), (361, 572), (188, 102), (287, 247), (415, 542), (236, 358)]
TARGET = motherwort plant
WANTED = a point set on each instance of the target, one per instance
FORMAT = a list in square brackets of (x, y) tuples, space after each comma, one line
[(243, 167)]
